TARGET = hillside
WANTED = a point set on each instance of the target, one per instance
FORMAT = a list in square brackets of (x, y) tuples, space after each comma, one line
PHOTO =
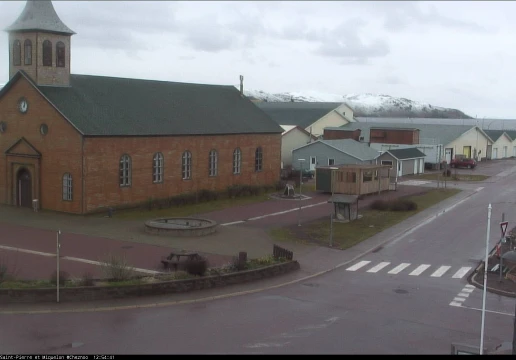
[(366, 105)]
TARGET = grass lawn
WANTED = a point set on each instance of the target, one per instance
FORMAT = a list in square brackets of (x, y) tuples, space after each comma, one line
[(346, 235), (459, 177)]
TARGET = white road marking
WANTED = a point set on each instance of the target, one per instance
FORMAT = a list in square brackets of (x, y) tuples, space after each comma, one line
[(468, 290), (462, 271), (479, 188), (456, 304), (469, 286), (463, 294), (358, 265), (146, 271), (233, 223), (489, 311), (440, 272), (459, 299), (419, 270), (286, 211), (378, 267), (266, 345), (399, 268)]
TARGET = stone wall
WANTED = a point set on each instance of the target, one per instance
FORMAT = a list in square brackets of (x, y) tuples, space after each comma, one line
[(166, 287)]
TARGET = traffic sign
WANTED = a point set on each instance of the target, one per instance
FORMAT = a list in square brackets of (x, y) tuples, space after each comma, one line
[(503, 227)]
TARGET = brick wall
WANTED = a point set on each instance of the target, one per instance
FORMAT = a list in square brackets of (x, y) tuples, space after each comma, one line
[(341, 134), (60, 149), (102, 157), (42, 75)]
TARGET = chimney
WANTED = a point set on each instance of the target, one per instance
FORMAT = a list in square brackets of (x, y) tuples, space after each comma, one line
[(242, 85)]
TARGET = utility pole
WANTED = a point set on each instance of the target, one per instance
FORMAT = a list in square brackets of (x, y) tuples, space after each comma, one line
[(485, 281), (514, 334)]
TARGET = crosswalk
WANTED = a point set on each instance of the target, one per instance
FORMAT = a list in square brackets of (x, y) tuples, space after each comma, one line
[(411, 270)]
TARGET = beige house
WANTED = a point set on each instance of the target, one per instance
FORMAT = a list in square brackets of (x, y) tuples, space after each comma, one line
[(292, 138), (474, 143), (310, 116), (503, 146)]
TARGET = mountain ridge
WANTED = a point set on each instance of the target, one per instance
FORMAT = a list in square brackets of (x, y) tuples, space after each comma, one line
[(366, 105)]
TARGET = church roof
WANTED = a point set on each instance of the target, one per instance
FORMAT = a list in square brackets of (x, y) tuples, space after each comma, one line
[(109, 106), (301, 114), (39, 15)]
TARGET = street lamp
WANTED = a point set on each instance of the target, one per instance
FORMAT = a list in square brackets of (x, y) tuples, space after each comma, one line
[(300, 186), (333, 204), (485, 281)]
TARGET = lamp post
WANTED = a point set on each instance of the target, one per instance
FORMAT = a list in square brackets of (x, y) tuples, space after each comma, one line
[(333, 204), (300, 186), (58, 247), (485, 281)]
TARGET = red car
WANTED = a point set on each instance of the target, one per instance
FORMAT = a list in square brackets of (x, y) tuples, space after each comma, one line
[(463, 162)]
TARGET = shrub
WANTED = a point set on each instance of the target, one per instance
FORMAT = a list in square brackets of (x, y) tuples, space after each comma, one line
[(196, 267), (63, 277), (116, 267), (86, 280), (447, 173), (380, 205), (8, 270), (402, 205)]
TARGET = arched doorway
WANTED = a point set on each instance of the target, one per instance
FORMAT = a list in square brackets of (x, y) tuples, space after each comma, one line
[(24, 187)]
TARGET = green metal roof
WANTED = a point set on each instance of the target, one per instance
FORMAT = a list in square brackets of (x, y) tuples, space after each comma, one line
[(353, 148), (496, 134), (301, 114), (408, 153), (109, 106)]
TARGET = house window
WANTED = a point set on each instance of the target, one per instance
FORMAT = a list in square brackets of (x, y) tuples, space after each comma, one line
[(27, 52), (387, 162), (67, 187), (47, 53), (331, 162), (186, 165), (237, 161), (367, 176), (16, 53), (157, 168), (60, 54), (125, 170), (212, 162), (258, 159)]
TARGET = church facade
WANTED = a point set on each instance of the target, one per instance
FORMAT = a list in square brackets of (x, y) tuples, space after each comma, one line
[(81, 143)]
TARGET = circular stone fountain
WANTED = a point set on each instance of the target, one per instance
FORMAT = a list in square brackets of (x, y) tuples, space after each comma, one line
[(181, 226)]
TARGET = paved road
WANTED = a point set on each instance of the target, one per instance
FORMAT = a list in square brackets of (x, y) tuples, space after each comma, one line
[(360, 308)]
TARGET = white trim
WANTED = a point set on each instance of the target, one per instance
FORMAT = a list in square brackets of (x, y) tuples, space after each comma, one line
[(339, 150)]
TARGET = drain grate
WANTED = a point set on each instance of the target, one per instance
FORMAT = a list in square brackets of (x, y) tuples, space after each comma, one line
[(400, 291)]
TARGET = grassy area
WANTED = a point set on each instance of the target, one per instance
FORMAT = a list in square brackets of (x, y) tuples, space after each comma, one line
[(346, 235), (453, 177), (189, 210)]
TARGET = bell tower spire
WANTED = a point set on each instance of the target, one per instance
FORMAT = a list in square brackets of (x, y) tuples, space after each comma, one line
[(39, 44)]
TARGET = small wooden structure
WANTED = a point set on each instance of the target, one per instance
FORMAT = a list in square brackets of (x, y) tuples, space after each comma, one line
[(345, 207), (354, 179)]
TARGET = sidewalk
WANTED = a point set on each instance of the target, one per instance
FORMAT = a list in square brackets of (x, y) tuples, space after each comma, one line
[(314, 261)]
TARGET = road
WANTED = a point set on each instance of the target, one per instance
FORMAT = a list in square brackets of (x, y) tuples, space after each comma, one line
[(393, 301)]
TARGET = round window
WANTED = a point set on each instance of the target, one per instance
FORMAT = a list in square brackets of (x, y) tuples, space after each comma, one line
[(3, 127), (43, 129)]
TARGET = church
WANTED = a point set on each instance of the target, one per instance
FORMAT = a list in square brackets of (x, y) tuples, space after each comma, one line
[(81, 143)]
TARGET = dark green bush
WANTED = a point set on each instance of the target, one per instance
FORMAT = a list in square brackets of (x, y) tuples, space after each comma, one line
[(197, 266), (380, 205), (63, 277), (402, 205)]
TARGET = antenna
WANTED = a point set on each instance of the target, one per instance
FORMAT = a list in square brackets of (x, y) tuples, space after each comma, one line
[(242, 85)]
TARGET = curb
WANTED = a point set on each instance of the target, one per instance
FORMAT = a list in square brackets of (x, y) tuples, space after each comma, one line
[(247, 292)]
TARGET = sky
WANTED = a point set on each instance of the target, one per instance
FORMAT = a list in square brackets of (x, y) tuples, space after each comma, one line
[(452, 54)]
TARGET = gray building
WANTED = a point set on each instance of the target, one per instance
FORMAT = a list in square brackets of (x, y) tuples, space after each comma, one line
[(404, 161), (333, 152)]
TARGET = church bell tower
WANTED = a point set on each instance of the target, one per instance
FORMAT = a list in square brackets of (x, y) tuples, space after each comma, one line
[(40, 45)]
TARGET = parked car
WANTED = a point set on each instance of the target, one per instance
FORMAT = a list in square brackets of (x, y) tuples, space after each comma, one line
[(463, 162)]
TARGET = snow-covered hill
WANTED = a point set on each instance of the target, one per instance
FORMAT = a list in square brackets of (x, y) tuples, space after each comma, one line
[(365, 105)]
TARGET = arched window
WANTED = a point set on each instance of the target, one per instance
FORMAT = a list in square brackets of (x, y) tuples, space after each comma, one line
[(212, 161), (258, 159), (16, 53), (47, 53), (237, 161), (157, 168), (27, 52), (125, 170), (67, 187), (186, 165), (60, 54)]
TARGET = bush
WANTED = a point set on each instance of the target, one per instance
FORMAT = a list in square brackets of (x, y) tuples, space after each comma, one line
[(63, 277), (116, 267), (196, 267), (87, 280), (8, 271), (402, 205), (447, 173), (380, 205)]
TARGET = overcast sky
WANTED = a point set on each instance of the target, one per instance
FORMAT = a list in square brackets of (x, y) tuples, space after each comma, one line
[(453, 54)]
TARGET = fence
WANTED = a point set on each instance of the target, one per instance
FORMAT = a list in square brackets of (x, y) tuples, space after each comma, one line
[(279, 252)]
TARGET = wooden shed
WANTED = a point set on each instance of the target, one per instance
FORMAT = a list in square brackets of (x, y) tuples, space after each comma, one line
[(354, 179)]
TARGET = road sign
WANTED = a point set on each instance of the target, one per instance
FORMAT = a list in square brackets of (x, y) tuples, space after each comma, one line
[(503, 227)]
